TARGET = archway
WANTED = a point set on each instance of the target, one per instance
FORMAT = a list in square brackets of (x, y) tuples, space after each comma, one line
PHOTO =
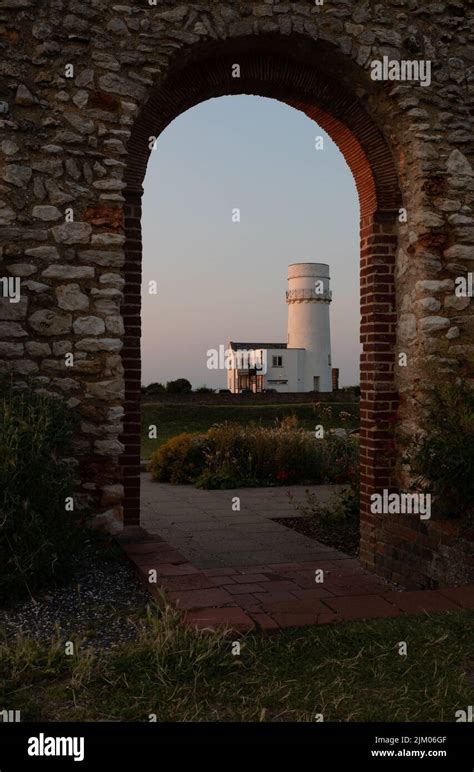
[(313, 80)]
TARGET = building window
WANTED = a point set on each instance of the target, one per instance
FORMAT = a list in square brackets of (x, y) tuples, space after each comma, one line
[(329, 360), (277, 361)]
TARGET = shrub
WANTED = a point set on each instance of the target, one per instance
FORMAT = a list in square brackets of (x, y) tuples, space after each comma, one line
[(231, 455), (154, 388), (37, 534), (180, 386), (335, 523), (180, 460), (441, 457)]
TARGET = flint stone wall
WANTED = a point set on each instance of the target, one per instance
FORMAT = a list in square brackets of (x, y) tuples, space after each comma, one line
[(72, 160)]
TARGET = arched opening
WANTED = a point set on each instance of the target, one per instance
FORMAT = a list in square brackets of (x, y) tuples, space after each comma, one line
[(323, 96)]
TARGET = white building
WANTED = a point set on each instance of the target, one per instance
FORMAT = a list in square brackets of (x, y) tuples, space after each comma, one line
[(304, 362)]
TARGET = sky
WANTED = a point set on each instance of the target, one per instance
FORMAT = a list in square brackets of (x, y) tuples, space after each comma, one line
[(219, 280)]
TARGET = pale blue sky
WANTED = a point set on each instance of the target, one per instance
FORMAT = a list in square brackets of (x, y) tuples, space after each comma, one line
[(219, 280)]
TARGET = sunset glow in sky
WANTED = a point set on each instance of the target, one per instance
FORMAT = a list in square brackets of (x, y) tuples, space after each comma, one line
[(219, 280)]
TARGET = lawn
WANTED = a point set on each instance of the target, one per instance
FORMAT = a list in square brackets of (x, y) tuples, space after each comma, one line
[(171, 420), (350, 672)]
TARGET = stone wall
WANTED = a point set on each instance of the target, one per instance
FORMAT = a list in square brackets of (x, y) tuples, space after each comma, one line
[(86, 83)]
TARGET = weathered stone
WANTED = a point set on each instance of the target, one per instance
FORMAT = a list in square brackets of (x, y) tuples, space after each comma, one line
[(110, 184), (68, 272), (108, 259), (53, 167), (49, 322), (79, 123), (114, 325), (108, 447), (453, 333), (105, 390), (7, 215), (70, 297), (17, 175), (72, 233), (107, 240), (458, 303), (112, 278), (46, 213), (112, 494), (116, 84), (22, 269), (11, 330), (428, 304), (89, 325), (407, 328), (9, 147), (43, 253), (433, 324), (118, 27), (460, 252), (24, 96), (429, 285), (458, 164), (56, 194), (11, 350), (10, 312), (81, 98), (85, 79), (99, 344), (36, 286), (36, 349)]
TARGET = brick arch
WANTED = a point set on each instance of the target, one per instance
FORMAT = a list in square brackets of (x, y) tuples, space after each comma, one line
[(306, 84)]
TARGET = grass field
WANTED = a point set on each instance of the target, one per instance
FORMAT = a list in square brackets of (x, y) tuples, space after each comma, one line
[(350, 672), (171, 420)]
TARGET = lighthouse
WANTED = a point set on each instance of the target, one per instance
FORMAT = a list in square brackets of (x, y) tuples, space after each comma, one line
[(303, 363), (308, 298)]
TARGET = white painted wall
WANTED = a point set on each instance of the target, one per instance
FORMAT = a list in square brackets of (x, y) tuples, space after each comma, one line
[(308, 321)]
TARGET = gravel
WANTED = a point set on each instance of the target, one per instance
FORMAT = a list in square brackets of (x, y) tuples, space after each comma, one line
[(100, 606)]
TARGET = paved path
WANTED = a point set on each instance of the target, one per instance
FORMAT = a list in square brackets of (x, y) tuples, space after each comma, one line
[(240, 569), (268, 597), (203, 526)]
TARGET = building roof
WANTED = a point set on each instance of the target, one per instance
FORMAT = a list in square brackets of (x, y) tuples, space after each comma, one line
[(250, 346)]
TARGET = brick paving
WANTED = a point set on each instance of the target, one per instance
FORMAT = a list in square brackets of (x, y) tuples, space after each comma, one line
[(276, 595)]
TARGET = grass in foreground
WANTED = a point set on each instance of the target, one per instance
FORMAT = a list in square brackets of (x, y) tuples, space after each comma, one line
[(171, 420), (351, 672)]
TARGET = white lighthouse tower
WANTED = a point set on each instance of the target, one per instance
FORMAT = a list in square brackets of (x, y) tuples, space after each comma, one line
[(308, 299)]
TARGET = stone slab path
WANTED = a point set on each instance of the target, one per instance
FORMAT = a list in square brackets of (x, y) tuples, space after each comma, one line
[(204, 527), (214, 586)]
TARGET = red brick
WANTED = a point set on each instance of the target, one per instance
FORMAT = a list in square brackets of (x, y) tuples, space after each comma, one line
[(220, 571), (249, 578), (196, 599), (313, 594), (464, 596), (264, 621), (212, 618), (186, 582), (294, 619), (422, 600), (166, 569), (362, 607), (242, 589)]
